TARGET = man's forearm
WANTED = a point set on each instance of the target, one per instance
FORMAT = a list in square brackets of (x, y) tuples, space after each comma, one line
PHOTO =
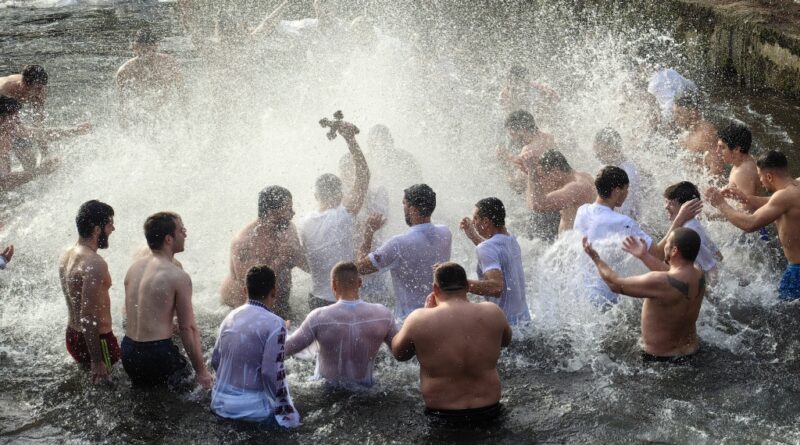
[(486, 288), (366, 245), (190, 337), (608, 275), (739, 219), (91, 335)]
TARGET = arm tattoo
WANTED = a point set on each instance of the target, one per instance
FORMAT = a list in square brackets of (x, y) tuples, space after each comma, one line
[(682, 287)]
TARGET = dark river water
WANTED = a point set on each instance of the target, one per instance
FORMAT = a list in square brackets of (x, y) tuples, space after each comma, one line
[(575, 376)]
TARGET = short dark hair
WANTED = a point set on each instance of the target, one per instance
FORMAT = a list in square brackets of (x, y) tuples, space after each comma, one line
[(682, 192), (518, 73), (92, 214), (157, 226), (272, 198), (687, 241), (773, 160), (145, 37), (554, 160), (34, 75), (328, 189), (493, 209), (260, 280), (521, 120), (450, 277), (609, 137), (610, 178), (422, 198), (736, 135), (688, 98), (8, 106), (345, 272)]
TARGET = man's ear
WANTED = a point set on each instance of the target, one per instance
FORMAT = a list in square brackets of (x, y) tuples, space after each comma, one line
[(436, 289)]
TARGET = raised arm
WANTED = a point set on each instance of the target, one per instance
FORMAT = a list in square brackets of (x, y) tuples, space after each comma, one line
[(688, 210), (491, 285), (649, 285), (638, 248), (92, 302), (354, 199), (189, 332), (364, 264), (269, 21), (468, 228), (555, 201), (765, 215)]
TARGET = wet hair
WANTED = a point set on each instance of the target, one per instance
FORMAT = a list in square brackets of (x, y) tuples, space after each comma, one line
[(450, 277), (736, 135), (688, 98), (493, 209), (8, 106), (422, 198), (34, 75), (260, 280), (145, 37), (157, 226), (521, 120), (328, 189), (518, 73), (610, 178), (380, 131), (609, 137), (272, 198), (687, 241), (682, 192), (773, 160), (345, 273), (554, 160), (92, 214)]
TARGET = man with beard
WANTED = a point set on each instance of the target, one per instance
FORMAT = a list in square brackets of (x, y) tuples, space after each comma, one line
[(410, 256), (156, 289), (85, 280), (270, 240)]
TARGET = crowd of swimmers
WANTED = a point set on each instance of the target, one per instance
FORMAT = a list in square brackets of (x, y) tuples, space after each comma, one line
[(457, 341)]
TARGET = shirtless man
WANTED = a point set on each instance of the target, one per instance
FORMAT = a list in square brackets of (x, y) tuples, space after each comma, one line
[(150, 75), (457, 343), (155, 291), (28, 88), (85, 281), (12, 131), (783, 208), (700, 135), (553, 186), (270, 240), (673, 293), (734, 148)]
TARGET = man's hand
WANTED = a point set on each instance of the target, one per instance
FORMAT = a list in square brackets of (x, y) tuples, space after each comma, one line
[(204, 379), (375, 222), (714, 196), (99, 372), (735, 193), (430, 301), (587, 247), (634, 246), (347, 130), (688, 210), (8, 252)]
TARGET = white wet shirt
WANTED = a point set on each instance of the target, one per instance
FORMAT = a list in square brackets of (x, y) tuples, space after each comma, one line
[(501, 252), (328, 238), (349, 334), (248, 357), (598, 222), (708, 254), (665, 85), (631, 206), (410, 258)]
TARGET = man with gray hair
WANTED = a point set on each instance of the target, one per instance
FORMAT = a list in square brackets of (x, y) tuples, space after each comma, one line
[(328, 234)]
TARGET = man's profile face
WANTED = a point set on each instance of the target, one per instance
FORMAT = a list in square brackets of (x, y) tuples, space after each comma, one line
[(481, 223), (105, 232), (407, 212), (622, 195), (282, 216), (180, 236), (725, 152), (672, 206), (766, 180)]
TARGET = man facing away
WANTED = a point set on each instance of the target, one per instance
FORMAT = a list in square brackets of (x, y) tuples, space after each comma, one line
[(783, 208), (409, 256), (156, 289), (608, 149), (673, 293), (269, 240), (501, 277), (553, 186), (85, 280), (328, 234), (458, 344), (598, 221), (349, 332), (248, 356)]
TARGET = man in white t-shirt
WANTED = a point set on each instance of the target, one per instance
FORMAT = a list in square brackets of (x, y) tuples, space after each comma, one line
[(608, 149), (328, 234), (409, 257), (598, 222), (501, 277)]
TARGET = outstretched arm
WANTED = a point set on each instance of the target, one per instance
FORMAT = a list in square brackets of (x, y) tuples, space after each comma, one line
[(491, 285), (765, 215), (354, 200), (15, 179), (374, 223), (638, 248), (649, 285)]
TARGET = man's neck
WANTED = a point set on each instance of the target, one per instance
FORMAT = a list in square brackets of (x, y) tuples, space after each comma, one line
[(494, 230), (164, 253), (444, 298), (347, 296), (605, 202), (416, 222), (740, 158), (323, 207), (89, 243), (677, 263)]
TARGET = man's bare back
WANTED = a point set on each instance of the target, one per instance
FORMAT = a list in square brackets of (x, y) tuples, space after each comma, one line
[(583, 192), (458, 344), (151, 289), (81, 268), (702, 140)]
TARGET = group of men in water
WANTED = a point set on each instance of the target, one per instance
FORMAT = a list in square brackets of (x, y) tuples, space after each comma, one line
[(457, 342)]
